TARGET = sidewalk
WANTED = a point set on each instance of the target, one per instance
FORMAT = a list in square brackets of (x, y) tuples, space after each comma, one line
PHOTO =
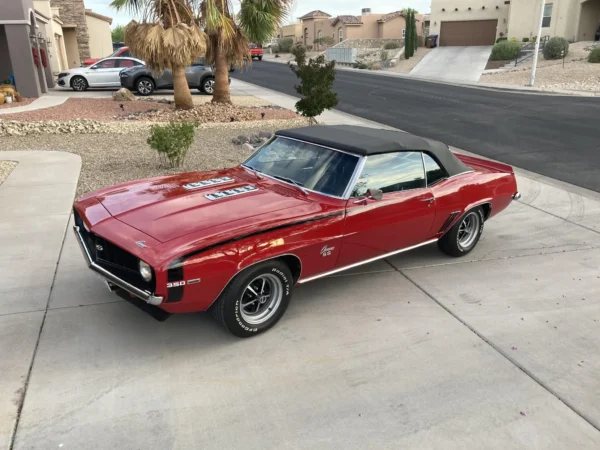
[(45, 101), (35, 206)]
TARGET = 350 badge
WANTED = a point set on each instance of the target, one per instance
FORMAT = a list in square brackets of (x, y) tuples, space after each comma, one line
[(175, 284)]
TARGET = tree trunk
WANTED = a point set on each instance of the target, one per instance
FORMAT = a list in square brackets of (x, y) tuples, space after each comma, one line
[(182, 94), (221, 93)]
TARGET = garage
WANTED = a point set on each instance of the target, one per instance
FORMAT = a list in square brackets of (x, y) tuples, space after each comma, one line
[(468, 32)]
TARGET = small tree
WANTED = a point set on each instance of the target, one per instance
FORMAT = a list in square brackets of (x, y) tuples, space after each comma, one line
[(172, 141), (409, 36), (415, 38), (316, 81), (118, 33)]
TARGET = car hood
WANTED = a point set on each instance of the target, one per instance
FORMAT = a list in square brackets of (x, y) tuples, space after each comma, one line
[(77, 70), (166, 208)]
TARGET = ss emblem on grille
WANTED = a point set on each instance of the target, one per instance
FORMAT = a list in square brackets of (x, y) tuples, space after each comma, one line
[(99, 248)]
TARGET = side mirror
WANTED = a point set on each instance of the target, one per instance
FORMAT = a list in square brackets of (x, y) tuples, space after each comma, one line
[(375, 194), (94, 67)]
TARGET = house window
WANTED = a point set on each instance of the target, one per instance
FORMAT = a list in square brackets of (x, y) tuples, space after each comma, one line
[(320, 34), (547, 16), (341, 34), (403, 33)]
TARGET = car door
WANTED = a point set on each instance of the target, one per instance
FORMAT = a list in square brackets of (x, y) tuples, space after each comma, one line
[(193, 74), (165, 80), (401, 218), (104, 73)]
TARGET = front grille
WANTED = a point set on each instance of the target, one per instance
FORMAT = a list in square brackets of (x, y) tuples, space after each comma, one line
[(114, 259)]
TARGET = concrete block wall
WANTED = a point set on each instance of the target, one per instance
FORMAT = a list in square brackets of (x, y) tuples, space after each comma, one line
[(73, 12)]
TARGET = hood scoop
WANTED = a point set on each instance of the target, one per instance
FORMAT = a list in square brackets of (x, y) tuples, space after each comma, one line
[(205, 183), (230, 192)]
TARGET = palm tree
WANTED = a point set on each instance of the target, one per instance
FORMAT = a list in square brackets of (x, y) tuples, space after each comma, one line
[(229, 34), (168, 37)]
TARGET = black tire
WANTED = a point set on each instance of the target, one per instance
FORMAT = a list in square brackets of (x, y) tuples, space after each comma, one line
[(240, 320), (79, 84), (454, 242), (208, 85), (145, 86), (260, 58)]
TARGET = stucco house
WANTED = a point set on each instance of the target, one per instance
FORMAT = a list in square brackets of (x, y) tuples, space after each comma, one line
[(60, 32), (462, 22), (317, 24)]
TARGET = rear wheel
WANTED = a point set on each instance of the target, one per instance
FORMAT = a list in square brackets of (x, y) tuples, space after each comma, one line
[(464, 235), (260, 58), (79, 84), (144, 86), (255, 299), (208, 86)]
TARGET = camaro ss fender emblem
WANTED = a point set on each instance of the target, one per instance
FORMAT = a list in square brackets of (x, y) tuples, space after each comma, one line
[(141, 244), (326, 251), (99, 248)]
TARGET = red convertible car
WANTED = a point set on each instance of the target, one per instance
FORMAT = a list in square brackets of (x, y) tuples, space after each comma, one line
[(310, 202)]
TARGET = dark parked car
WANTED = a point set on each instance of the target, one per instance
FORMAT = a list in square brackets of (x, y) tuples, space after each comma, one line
[(141, 79)]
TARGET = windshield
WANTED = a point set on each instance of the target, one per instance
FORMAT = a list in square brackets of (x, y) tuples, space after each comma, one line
[(313, 167)]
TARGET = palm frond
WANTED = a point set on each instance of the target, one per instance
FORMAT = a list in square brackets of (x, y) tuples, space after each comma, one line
[(258, 19)]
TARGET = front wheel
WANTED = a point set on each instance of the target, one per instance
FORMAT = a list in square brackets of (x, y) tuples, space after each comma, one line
[(144, 86), (79, 84), (208, 85), (255, 299), (260, 58), (464, 235)]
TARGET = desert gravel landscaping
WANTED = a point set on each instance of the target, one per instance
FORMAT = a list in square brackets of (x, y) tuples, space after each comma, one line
[(578, 74), (6, 167), (108, 159)]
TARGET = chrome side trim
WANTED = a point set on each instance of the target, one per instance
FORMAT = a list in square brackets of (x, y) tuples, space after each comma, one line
[(355, 176), (341, 269), (144, 295)]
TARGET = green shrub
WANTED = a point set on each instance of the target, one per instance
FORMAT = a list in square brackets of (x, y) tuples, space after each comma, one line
[(360, 65), (500, 39), (172, 141), (316, 81), (505, 50), (554, 48), (383, 56), (594, 56), (285, 44), (391, 45), (526, 39)]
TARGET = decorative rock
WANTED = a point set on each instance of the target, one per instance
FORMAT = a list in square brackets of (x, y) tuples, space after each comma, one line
[(265, 134), (248, 147), (255, 140), (123, 95), (236, 141), (243, 139)]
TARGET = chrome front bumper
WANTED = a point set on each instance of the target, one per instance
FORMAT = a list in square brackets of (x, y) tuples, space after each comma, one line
[(516, 196), (112, 279)]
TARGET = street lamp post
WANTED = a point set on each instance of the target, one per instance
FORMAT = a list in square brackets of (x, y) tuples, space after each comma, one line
[(537, 45)]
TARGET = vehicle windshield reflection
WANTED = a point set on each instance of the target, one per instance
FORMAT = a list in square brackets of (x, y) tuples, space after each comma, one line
[(310, 166)]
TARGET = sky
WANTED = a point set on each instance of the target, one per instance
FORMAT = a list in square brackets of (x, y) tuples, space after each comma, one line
[(333, 7)]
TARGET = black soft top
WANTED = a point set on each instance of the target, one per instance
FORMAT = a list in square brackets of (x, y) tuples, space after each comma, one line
[(365, 141)]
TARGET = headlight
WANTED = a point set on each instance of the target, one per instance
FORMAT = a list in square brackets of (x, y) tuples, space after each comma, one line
[(63, 74), (145, 271)]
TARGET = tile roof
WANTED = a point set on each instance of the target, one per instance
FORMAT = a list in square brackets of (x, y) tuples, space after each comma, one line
[(348, 20), (314, 14), (390, 16)]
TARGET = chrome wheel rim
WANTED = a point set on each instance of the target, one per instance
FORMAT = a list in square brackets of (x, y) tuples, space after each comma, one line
[(468, 229), (261, 299), (79, 84), (145, 87), (209, 86)]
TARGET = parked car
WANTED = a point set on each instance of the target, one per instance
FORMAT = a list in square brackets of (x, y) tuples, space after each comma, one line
[(121, 52), (310, 202), (256, 51), (141, 79), (105, 73)]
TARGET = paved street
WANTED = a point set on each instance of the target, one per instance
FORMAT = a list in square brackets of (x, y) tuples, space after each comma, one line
[(555, 136)]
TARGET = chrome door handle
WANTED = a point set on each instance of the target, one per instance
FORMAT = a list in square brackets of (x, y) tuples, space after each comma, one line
[(432, 199)]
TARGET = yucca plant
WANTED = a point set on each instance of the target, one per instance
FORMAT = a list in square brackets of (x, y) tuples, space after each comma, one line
[(168, 37), (227, 34)]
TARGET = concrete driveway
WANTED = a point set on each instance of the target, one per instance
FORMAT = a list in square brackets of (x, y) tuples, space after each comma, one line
[(458, 64), (495, 350)]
